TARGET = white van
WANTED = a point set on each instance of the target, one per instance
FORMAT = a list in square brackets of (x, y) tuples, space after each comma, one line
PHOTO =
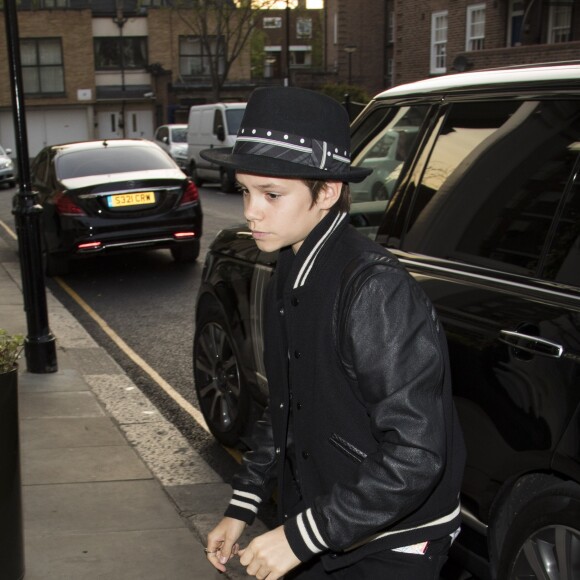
[(209, 126)]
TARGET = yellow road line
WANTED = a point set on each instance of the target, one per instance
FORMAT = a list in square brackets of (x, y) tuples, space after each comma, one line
[(177, 397)]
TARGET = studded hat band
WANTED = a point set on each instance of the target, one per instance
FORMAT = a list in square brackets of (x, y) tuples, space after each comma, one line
[(293, 148)]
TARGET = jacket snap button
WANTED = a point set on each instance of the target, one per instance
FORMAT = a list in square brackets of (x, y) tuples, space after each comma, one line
[(281, 312), (305, 454), (299, 405), (297, 354), (333, 555), (295, 301), (277, 450), (281, 405)]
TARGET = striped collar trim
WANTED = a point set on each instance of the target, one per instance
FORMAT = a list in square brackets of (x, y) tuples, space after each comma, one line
[(311, 258)]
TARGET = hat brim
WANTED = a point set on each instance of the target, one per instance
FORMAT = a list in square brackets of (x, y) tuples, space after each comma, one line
[(262, 165)]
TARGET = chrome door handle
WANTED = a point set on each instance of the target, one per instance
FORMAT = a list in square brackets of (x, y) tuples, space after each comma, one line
[(533, 344)]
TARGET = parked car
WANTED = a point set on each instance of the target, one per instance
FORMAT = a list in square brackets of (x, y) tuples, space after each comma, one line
[(7, 171), (485, 214), (384, 155), (173, 139), (213, 125), (113, 195)]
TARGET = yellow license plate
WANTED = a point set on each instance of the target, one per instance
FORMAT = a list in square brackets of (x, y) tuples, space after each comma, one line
[(125, 199)]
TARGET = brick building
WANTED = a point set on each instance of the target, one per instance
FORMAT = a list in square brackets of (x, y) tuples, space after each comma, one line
[(91, 70), (446, 36)]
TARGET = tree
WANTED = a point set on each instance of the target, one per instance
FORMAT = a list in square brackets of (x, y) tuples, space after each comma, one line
[(222, 28)]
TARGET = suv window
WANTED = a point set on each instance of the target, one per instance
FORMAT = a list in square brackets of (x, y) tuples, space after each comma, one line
[(493, 183), (563, 259)]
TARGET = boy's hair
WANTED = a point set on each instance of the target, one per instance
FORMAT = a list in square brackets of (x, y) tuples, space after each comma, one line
[(315, 186)]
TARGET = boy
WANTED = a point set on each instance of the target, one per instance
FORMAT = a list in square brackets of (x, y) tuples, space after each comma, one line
[(360, 434)]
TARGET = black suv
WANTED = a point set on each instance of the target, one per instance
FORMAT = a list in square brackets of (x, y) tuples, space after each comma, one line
[(476, 188)]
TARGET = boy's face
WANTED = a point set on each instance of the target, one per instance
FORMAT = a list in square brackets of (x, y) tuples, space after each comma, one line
[(280, 211)]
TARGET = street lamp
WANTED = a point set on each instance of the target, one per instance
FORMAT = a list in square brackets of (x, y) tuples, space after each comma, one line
[(349, 49), (120, 21)]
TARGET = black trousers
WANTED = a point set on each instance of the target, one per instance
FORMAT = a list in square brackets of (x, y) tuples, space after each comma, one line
[(386, 565)]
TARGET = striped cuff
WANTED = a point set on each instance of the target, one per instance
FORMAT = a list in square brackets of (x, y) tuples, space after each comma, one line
[(304, 536), (243, 506)]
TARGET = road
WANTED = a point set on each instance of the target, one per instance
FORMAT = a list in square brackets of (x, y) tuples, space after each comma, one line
[(147, 300)]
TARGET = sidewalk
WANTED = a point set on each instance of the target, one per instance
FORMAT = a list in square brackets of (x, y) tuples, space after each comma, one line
[(111, 490)]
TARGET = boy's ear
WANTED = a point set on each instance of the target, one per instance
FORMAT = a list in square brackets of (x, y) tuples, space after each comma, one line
[(329, 194)]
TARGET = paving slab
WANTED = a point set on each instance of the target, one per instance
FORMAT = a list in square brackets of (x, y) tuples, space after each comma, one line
[(70, 432), (78, 464), (139, 555), (98, 507), (71, 404), (63, 380)]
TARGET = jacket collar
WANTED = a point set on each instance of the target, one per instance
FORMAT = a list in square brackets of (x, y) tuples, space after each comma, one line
[(299, 266)]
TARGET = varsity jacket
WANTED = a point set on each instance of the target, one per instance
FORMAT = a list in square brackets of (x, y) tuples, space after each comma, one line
[(360, 396)]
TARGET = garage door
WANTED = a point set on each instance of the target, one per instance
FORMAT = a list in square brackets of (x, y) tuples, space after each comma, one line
[(47, 128)]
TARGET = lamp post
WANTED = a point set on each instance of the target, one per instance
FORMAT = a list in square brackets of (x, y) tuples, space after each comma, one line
[(350, 49), (40, 344), (287, 23), (120, 21)]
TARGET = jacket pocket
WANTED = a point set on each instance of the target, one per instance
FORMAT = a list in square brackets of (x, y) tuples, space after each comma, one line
[(347, 448)]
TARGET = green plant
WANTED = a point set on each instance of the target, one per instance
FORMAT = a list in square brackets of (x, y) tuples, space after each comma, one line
[(10, 349)]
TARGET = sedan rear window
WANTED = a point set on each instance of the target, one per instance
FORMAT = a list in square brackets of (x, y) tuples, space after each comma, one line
[(107, 160)]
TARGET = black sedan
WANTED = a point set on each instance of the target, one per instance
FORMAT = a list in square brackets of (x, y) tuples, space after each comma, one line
[(113, 195)]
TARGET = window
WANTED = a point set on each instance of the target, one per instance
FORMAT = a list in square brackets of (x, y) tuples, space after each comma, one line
[(391, 27), (301, 57), (272, 22), (42, 66), (54, 4), (515, 21), (439, 42), (194, 59), (564, 255), (304, 28), (475, 27), (494, 182), (560, 22), (109, 56)]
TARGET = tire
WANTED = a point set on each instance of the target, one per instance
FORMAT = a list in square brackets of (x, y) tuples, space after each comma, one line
[(543, 540), (227, 181), (185, 252), (221, 390), (194, 175)]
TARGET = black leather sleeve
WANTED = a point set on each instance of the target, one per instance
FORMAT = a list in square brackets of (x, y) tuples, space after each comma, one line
[(388, 340)]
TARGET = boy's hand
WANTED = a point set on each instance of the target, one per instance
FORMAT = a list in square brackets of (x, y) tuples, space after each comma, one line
[(269, 555), (221, 542)]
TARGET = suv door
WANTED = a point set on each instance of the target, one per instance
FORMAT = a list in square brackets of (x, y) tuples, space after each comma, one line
[(487, 220)]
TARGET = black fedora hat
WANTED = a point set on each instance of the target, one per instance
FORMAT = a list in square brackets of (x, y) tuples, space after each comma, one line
[(293, 133)]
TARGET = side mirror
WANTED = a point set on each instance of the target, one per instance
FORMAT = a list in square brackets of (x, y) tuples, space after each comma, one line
[(8, 151), (220, 133), (165, 139)]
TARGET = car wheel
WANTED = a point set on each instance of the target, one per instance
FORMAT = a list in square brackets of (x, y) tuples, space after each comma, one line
[(186, 252), (227, 181), (194, 175), (380, 192), (223, 397), (543, 540)]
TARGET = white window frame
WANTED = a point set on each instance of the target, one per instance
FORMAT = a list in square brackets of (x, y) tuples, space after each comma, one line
[(559, 23), (438, 60), (475, 29)]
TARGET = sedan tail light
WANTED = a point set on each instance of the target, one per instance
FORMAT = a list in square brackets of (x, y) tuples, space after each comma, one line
[(66, 206), (190, 193)]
